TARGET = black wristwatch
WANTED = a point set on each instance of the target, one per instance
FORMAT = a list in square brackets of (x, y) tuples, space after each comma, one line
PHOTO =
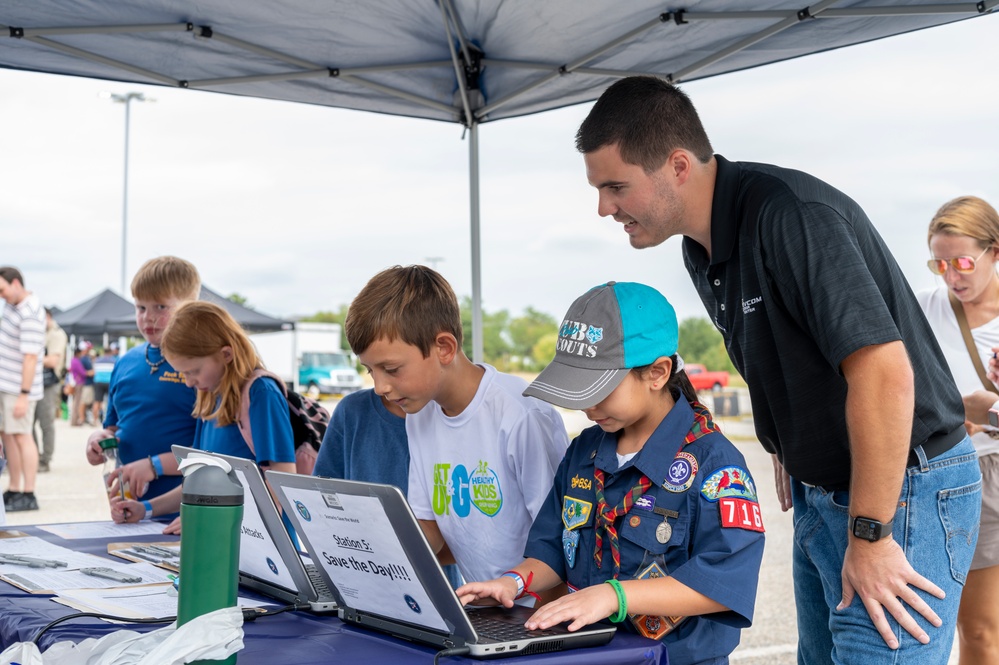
[(871, 530)]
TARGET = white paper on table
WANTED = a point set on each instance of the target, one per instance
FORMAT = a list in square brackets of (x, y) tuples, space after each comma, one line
[(134, 603), (102, 529), (40, 549), (42, 580)]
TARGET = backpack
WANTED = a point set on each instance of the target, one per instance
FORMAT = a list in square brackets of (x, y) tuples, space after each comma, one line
[(308, 417)]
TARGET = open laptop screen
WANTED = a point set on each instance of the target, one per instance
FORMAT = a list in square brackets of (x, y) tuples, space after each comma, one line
[(258, 553), (351, 537)]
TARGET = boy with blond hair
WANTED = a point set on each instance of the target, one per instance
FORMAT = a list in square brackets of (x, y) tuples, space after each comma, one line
[(149, 407), (482, 456)]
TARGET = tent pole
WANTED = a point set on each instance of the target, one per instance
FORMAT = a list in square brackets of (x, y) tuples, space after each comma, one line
[(473, 189)]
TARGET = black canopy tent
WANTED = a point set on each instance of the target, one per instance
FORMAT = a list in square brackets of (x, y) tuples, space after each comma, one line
[(107, 313), (95, 316), (463, 61)]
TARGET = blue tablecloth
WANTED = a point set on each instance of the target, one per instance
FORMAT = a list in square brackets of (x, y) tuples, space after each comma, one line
[(300, 638)]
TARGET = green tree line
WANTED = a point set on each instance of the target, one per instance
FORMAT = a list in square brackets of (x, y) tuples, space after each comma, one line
[(527, 342)]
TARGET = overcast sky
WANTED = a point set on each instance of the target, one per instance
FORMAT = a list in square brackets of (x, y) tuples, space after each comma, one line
[(295, 207)]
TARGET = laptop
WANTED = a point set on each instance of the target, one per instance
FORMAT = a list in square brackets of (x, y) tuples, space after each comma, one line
[(269, 562), (370, 548)]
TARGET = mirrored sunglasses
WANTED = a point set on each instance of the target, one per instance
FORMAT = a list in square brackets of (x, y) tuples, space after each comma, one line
[(961, 264)]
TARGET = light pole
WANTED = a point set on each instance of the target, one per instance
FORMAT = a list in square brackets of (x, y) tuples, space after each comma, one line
[(125, 99)]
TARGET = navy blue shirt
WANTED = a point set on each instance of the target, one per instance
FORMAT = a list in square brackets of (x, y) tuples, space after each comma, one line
[(721, 562)]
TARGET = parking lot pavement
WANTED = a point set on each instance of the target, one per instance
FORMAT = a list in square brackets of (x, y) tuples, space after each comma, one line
[(72, 492)]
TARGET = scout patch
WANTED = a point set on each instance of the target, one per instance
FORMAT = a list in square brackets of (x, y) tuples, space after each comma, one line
[(729, 481), (681, 473), (634, 520), (645, 502), (740, 514), (575, 512), (570, 543), (654, 627)]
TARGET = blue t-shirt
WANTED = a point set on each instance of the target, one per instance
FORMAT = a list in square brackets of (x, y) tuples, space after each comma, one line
[(364, 441), (151, 409), (273, 440), (701, 489)]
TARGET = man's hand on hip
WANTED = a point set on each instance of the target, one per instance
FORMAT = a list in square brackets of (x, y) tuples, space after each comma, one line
[(881, 575)]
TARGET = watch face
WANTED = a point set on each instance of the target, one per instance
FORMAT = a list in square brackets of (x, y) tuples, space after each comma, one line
[(866, 529)]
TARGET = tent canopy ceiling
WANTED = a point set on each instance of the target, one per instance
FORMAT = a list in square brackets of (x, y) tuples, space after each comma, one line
[(465, 61), (444, 60)]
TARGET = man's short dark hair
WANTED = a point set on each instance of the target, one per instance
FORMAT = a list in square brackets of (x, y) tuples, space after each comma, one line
[(648, 118), (10, 273)]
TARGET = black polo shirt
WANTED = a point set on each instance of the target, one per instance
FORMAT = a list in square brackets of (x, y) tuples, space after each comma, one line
[(798, 280)]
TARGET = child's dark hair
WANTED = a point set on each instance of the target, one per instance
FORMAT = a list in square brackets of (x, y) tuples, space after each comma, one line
[(413, 304), (678, 382)]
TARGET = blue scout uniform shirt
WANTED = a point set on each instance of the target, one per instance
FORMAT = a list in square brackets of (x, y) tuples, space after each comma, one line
[(716, 542)]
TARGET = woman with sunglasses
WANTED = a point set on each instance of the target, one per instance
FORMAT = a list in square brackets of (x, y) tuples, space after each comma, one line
[(964, 247)]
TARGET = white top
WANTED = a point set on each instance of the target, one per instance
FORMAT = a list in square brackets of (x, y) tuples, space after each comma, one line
[(22, 332), (484, 474), (941, 316)]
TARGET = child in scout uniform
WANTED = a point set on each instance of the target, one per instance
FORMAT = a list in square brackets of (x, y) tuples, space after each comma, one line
[(653, 519)]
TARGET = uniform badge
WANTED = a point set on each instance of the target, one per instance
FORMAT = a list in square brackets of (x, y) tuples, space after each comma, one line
[(634, 520), (729, 481), (681, 473), (570, 542), (645, 502), (663, 532), (654, 627), (740, 514), (575, 513)]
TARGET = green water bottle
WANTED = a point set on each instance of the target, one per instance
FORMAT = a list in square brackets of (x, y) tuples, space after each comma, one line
[(211, 512)]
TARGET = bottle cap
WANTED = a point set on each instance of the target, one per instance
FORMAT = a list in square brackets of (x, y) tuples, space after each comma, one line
[(209, 481), (110, 442)]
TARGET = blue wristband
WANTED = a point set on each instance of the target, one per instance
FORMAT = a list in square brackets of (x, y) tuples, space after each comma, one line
[(148, 505), (157, 466)]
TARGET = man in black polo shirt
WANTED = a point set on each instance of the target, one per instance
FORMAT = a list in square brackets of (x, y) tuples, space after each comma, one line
[(850, 392)]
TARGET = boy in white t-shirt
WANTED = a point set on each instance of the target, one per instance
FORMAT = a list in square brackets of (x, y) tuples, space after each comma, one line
[(482, 456)]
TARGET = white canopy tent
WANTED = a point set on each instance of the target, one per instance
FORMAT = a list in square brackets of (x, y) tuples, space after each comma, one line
[(462, 61)]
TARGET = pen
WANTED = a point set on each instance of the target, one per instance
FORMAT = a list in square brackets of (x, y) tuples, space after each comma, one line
[(162, 550), (146, 557), (30, 561)]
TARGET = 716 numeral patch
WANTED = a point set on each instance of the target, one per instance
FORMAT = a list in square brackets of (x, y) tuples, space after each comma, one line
[(740, 514)]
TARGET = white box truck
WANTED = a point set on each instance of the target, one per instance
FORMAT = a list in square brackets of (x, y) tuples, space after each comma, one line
[(309, 358)]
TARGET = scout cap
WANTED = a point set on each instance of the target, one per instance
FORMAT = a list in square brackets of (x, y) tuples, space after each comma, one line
[(606, 332)]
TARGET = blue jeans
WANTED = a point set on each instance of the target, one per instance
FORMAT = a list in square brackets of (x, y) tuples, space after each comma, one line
[(937, 527)]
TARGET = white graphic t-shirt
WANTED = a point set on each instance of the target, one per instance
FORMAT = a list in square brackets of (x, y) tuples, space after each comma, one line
[(484, 474)]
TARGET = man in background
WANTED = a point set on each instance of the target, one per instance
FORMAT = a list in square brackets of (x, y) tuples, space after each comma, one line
[(22, 342), (53, 369)]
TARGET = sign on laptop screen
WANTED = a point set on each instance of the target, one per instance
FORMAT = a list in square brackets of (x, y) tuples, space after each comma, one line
[(363, 556), (258, 555)]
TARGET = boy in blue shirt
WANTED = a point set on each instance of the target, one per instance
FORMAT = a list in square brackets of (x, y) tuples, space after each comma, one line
[(149, 407)]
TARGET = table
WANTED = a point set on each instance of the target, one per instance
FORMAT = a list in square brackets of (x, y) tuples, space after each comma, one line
[(300, 637)]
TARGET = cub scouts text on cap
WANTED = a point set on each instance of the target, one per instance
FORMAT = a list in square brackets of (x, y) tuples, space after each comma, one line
[(606, 332)]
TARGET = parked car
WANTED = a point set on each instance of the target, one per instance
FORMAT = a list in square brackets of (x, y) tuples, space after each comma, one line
[(703, 379)]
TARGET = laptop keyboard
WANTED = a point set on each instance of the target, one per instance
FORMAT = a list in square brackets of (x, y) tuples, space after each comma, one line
[(323, 592), (504, 631)]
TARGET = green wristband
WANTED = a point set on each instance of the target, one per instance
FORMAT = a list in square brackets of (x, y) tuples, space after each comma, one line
[(622, 602)]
